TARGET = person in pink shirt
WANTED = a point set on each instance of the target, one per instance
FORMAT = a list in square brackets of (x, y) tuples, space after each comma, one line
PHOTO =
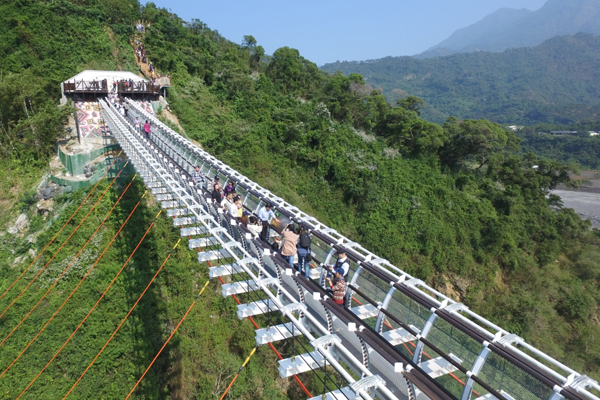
[(147, 129)]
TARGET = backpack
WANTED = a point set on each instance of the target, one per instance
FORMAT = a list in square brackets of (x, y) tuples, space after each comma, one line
[(305, 241)]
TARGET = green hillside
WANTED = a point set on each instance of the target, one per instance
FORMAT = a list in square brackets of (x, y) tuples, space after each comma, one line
[(449, 203), (555, 82)]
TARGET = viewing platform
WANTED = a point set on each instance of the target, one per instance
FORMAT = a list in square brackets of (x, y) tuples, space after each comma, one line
[(90, 84)]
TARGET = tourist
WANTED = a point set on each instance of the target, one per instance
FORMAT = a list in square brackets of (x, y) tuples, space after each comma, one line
[(137, 125), (235, 206), (238, 201), (304, 257), (215, 182), (254, 226), (288, 250), (229, 188), (227, 202), (265, 214), (341, 264), (147, 129), (197, 176), (338, 287), (216, 194)]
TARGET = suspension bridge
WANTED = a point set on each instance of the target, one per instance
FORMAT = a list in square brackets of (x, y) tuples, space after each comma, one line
[(394, 337)]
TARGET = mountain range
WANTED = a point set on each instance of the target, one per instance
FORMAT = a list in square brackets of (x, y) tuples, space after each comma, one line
[(555, 82), (509, 28)]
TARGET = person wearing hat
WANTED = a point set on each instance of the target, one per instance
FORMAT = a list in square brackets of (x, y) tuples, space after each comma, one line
[(342, 264), (265, 215), (338, 287)]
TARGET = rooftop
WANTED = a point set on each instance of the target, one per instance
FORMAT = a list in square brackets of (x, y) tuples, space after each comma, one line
[(110, 76)]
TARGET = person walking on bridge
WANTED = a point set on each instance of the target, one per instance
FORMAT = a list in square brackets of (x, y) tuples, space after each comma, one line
[(137, 125), (147, 129), (197, 176), (265, 214), (290, 239)]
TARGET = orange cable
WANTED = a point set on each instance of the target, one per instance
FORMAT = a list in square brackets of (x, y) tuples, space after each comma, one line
[(93, 308), (238, 373), (161, 349), (66, 269), (61, 229), (77, 287), (60, 248)]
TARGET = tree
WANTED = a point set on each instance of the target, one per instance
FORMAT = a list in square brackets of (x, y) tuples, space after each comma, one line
[(249, 42), (292, 72), (402, 127), (475, 140), (412, 103)]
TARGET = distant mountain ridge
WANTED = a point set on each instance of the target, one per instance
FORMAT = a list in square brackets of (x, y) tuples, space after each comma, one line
[(556, 82), (510, 28)]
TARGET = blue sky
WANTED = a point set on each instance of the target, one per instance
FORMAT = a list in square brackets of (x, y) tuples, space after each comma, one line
[(330, 30)]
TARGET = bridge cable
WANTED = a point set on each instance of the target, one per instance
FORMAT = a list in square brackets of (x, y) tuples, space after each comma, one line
[(78, 285), (61, 229), (100, 299), (163, 346), (61, 246), (237, 374)]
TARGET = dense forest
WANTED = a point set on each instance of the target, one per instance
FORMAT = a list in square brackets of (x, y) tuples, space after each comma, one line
[(454, 204), (555, 82), (581, 151)]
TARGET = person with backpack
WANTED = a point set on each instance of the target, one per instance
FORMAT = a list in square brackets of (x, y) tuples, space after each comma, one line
[(304, 256)]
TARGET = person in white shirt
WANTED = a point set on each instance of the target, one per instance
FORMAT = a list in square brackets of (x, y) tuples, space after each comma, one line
[(234, 207), (227, 202), (264, 215), (255, 227)]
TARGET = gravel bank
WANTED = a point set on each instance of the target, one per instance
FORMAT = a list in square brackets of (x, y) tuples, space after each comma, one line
[(587, 205)]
